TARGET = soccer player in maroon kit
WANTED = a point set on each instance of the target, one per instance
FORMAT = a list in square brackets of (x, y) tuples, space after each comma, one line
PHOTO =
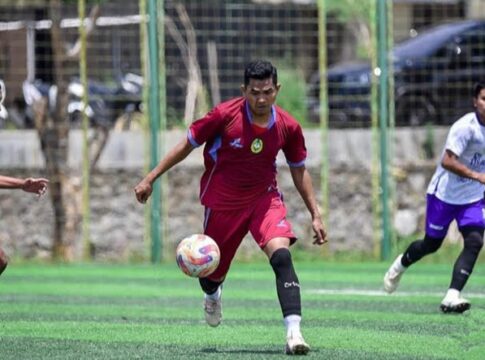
[(238, 189), (31, 185)]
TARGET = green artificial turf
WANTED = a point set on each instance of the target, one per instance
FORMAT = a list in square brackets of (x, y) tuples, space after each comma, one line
[(155, 312)]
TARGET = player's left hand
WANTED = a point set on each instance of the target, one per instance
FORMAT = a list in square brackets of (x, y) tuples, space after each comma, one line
[(320, 236), (36, 186), (143, 191)]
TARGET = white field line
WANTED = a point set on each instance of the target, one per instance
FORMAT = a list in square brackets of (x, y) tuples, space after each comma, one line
[(383, 293)]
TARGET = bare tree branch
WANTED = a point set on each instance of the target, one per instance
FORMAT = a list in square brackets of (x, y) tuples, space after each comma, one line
[(189, 31), (213, 72), (90, 24), (52, 124), (195, 97), (179, 39), (97, 143)]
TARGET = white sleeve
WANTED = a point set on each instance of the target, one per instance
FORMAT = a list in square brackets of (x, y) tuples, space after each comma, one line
[(458, 138)]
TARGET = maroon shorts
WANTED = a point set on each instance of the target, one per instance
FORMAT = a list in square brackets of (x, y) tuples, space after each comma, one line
[(265, 220)]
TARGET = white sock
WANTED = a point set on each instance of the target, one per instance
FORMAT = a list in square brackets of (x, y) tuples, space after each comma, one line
[(292, 323), (398, 266), (452, 294), (215, 296)]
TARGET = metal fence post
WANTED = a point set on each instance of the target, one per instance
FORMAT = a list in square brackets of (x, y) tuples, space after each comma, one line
[(322, 68), (154, 115), (86, 211), (382, 58)]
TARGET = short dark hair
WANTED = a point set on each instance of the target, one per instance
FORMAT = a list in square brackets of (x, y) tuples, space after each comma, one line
[(479, 86), (260, 70)]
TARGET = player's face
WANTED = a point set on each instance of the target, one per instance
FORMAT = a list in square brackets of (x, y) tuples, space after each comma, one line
[(479, 103), (261, 95)]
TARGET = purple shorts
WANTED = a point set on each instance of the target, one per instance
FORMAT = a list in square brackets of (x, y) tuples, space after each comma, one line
[(439, 216)]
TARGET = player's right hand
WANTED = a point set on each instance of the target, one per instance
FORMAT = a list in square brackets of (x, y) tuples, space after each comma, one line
[(143, 191), (35, 185), (481, 178), (320, 235)]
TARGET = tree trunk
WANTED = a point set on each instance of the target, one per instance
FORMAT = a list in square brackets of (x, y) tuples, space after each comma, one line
[(52, 124)]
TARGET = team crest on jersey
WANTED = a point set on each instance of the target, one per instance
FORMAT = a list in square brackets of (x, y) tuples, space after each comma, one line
[(257, 146)]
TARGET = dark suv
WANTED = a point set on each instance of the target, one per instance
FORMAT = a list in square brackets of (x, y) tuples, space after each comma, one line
[(434, 74)]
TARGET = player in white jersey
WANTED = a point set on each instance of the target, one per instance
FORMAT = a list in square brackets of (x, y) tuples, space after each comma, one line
[(455, 192)]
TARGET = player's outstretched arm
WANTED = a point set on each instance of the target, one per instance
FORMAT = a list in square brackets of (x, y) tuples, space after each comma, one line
[(303, 183), (143, 189), (32, 185), (451, 163)]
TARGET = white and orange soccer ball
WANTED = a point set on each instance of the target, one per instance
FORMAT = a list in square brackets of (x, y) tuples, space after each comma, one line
[(198, 255)]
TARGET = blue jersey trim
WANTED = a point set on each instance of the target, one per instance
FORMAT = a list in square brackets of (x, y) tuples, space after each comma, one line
[(296, 164), (215, 147), (191, 139), (272, 119), (207, 213), (477, 115)]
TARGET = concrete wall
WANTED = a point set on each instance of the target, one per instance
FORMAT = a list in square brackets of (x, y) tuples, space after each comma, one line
[(126, 150), (117, 220)]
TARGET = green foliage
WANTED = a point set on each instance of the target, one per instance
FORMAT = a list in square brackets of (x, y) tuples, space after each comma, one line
[(346, 10), (175, 119), (428, 145), (292, 95)]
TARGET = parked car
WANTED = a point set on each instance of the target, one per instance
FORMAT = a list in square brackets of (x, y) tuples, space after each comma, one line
[(434, 73)]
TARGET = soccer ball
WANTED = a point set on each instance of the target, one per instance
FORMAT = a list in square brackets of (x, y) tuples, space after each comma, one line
[(198, 255)]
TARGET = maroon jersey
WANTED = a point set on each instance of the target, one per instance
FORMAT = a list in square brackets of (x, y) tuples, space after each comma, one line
[(240, 163)]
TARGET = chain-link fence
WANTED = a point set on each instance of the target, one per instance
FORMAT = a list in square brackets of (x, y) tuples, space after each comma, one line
[(208, 44), (113, 59), (437, 51)]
